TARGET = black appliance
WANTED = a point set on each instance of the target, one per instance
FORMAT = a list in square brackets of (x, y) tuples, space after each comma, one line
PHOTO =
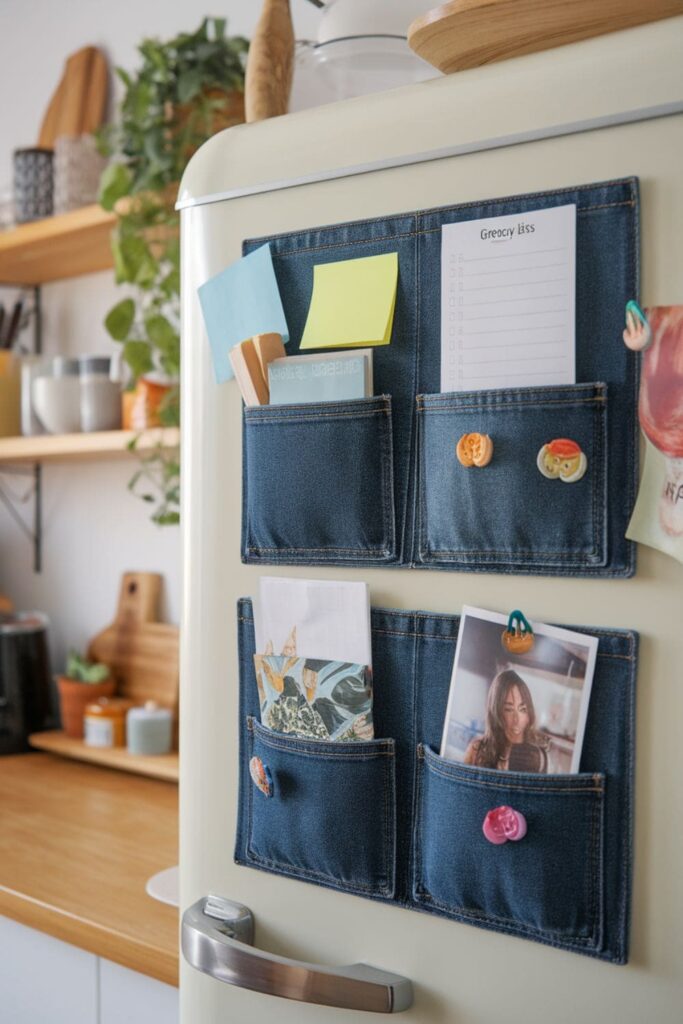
[(25, 704)]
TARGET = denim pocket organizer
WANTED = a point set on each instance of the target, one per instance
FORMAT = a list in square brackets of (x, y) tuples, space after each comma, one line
[(547, 885), (376, 481), (510, 515), (390, 820), (304, 497), (331, 818)]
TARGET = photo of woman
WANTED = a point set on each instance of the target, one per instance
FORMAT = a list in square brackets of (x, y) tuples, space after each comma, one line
[(511, 741), (514, 709)]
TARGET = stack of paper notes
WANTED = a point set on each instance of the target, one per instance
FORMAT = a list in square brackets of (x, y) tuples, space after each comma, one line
[(328, 377), (353, 303), (314, 662), (239, 303)]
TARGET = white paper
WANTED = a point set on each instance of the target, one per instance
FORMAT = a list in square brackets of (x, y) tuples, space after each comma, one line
[(508, 295), (332, 619)]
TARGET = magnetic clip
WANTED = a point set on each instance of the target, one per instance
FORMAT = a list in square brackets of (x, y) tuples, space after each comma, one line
[(637, 335), (518, 637)]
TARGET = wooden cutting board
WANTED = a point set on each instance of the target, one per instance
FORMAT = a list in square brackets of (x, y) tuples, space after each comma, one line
[(142, 652), (78, 104)]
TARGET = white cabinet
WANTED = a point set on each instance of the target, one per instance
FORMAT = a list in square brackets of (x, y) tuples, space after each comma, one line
[(45, 981), (127, 997)]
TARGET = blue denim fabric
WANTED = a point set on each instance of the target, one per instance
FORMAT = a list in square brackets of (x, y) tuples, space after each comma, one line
[(314, 825), (348, 483), (395, 822)]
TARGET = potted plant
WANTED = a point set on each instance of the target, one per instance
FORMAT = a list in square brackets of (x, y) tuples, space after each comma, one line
[(188, 88), (83, 681)]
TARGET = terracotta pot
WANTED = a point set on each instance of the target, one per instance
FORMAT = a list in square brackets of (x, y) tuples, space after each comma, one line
[(73, 697), (140, 407)]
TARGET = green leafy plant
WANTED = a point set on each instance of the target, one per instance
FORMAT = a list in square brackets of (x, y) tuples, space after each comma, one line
[(83, 671), (187, 88)]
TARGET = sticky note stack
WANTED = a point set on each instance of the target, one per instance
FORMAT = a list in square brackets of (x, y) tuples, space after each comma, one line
[(353, 303), (250, 361)]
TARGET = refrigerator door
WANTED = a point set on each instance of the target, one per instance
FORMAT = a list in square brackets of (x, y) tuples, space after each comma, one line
[(508, 128)]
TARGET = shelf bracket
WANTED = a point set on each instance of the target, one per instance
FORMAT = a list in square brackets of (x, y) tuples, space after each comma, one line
[(11, 500)]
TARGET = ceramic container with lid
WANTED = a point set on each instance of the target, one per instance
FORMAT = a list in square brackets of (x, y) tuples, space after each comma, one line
[(100, 396), (150, 729)]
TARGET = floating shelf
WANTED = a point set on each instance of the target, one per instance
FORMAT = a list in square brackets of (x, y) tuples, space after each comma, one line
[(72, 447), (58, 247), (161, 766)]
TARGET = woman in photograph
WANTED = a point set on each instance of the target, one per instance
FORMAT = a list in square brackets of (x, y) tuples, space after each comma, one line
[(511, 741)]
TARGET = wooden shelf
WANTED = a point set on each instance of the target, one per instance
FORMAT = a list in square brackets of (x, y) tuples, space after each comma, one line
[(72, 447), (161, 766), (468, 33), (58, 247)]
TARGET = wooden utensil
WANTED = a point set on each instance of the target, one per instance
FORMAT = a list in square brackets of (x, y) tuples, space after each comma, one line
[(141, 652), (78, 104), (468, 33), (270, 64)]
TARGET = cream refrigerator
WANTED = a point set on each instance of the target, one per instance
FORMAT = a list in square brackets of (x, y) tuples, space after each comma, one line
[(596, 111)]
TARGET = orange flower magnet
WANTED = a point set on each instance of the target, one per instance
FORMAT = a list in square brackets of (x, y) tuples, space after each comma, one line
[(474, 450)]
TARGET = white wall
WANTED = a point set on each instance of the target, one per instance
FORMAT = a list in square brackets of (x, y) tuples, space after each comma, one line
[(93, 528)]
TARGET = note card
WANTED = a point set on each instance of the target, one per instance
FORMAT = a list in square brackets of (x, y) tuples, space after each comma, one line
[(241, 301), (508, 293), (352, 303)]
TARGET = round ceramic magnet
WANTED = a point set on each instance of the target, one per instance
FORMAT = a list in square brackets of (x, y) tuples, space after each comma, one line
[(503, 823), (562, 458), (474, 450), (260, 776)]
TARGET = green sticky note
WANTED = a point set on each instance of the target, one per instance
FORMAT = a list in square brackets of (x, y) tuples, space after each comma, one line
[(353, 303)]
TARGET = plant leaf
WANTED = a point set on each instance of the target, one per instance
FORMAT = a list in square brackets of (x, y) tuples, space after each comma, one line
[(116, 182), (138, 355), (119, 320)]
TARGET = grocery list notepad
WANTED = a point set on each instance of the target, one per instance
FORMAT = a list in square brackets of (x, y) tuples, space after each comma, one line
[(508, 290)]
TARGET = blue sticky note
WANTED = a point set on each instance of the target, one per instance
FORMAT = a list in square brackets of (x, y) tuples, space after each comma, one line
[(241, 301)]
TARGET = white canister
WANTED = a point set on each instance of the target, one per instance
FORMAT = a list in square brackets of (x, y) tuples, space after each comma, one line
[(100, 395), (149, 729)]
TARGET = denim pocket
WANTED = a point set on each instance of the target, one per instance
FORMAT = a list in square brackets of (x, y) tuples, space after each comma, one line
[(318, 483), (507, 514), (546, 886), (331, 818)]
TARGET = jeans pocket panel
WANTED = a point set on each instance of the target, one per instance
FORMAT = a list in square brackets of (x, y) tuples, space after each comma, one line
[(318, 483), (547, 885), (331, 818), (508, 513)]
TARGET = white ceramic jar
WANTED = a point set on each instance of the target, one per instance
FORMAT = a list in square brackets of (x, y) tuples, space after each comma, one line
[(100, 396)]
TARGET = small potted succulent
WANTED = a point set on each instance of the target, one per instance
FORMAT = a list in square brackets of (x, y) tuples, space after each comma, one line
[(83, 682)]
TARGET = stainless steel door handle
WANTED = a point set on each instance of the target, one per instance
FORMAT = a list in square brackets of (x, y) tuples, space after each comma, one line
[(217, 937)]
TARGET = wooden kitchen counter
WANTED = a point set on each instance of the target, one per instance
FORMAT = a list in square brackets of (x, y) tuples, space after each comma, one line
[(77, 845)]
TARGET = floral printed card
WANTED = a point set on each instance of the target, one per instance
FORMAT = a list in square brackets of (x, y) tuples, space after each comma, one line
[(323, 700)]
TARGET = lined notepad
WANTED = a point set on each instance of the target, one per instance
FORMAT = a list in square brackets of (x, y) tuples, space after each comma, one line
[(508, 291)]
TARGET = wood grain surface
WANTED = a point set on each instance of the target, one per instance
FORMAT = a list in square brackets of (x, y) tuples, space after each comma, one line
[(141, 652), (79, 102), (468, 33), (270, 63), (77, 846), (159, 766), (70, 244)]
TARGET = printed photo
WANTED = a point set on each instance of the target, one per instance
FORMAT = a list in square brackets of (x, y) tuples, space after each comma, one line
[(518, 711)]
